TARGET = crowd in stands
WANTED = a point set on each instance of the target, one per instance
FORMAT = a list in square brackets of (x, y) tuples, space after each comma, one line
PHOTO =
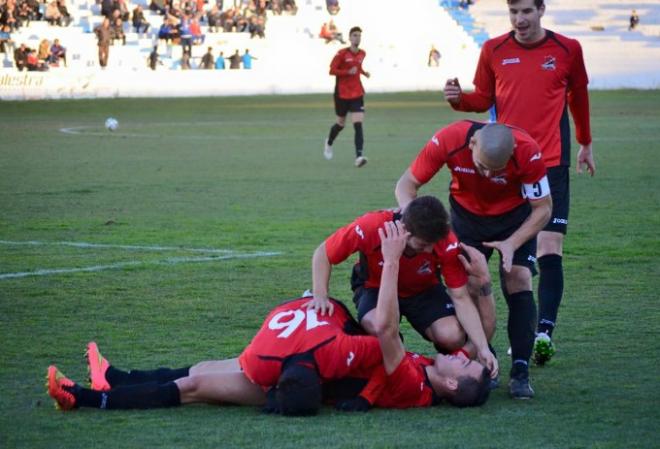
[(19, 13), (40, 59)]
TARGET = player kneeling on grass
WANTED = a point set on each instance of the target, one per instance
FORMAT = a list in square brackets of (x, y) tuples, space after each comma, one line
[(292, 354)]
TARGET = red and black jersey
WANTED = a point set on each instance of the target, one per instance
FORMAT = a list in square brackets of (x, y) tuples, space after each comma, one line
[(408, 386), (416, 274), (531, 87), (291, 329), (348, 86), (524, 177)]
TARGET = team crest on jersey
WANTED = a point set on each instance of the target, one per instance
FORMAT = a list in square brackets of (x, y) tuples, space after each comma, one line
[(549, 64), (425, 268), (501, 179)]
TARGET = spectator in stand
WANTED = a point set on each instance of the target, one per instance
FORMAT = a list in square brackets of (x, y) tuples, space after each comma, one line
[(185, 34), (8, 16), (66, 18), (53, 15), (107, 8), (235, 61), (185, 60), (6, 44), (276, 7), (247, 59), (153, 58), (289, 7), (240, 22), (213, 18), (34, 64), (220, 61), (158, 6), (43, 54), (23, 14), (332, 6), (256, 27), (57, 52), (329, 33), (139, 21), (33, 8), (167, 32), (196, 30), (434, 57), (117, 31), (20, 57), (208, 61), (104, 36), (634, 20)]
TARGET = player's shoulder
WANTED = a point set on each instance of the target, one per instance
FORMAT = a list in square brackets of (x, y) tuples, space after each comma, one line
[(447, 245), (568, 43), (374, 219), (457, 134), (496, 42)]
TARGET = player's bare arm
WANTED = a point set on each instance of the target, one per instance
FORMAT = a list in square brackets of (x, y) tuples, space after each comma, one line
[(585, 159), (321, 269), (406, 188), (393, 242), (541, 211)]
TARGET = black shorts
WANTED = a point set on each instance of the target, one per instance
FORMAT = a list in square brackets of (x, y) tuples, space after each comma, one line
[(420, 310), (474, 229), (558, 178), (343, 107)]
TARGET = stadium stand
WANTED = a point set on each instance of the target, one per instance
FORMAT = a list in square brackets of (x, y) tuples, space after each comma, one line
[(292, 58)]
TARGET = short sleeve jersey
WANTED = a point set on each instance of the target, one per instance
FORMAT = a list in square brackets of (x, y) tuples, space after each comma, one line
[(408, 386), (524, 177), (292, 329), (348, 86), (416, 274), (529, 85)]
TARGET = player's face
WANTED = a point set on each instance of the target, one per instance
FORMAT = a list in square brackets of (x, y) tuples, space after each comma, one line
[(415, 245), (481, 163), (526, 21), (355, 38), (455, 366)]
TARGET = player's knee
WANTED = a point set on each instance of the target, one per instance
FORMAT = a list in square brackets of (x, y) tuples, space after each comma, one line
[(188, 387), (549, 243), (519, 279), (448, 335)]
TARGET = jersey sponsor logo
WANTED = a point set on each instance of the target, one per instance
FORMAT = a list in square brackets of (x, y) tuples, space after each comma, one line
[(536, 157), (549, 63), (559, 221), (425, 268), (451, 247), (421, 386), (501, 179), (350, 358), (531, 258), (508, 61), (435, 140), (359, 231), (470, 171), (449, 305)]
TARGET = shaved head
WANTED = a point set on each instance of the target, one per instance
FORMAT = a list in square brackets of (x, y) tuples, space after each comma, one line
[(495, 143)]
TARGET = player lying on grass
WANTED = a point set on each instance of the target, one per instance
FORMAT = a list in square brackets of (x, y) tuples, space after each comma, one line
[(294, 351)]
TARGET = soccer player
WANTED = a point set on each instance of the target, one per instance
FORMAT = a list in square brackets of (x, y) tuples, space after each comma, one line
[(530, 75), (432, 251), (491, 165), (346, 66)]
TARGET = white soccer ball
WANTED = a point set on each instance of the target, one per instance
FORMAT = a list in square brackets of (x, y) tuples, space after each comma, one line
[(111, 124)]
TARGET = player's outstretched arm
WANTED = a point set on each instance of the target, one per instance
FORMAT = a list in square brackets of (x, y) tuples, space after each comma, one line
[(321, 269), (406, 188), (393, 241)]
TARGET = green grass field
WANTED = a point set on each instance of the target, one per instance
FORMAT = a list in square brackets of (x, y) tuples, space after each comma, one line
[(247, 175)]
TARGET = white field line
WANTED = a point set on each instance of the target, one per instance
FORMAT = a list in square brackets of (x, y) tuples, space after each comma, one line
[(110, 246), (168, 261)]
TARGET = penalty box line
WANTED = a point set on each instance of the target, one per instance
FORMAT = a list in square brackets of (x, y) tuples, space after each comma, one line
[(226, 255)]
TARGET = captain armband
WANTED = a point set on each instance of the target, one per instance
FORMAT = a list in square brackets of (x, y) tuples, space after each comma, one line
[(537, 190)]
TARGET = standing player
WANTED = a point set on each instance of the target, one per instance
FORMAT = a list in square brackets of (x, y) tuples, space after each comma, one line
[(530, 75), (346, 66), (491, 165)]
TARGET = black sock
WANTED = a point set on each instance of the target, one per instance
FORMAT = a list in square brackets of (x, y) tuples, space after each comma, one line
[(334, 131), (551, 289), (359, 139), (116, 377), (522, 317), (147, 395)]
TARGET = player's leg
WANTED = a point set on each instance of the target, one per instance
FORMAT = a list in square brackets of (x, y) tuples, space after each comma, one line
[(517, 289), (221, 388), (365, 300), (341, 109), (357, 118), (215, 366), (103, 376), (549, 256)]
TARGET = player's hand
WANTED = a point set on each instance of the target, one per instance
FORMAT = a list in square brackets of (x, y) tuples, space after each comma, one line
[(453, 91), (489, 360), (357, 404), (367, 74), (475, 263), (352, 70), (585, 157), (321, 304), (393, 239), (506, 252)]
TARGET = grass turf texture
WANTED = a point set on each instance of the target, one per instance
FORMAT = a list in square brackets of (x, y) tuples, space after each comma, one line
[(247, 174)]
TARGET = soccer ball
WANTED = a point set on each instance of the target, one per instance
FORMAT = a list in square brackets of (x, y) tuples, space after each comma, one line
[(111, 124)]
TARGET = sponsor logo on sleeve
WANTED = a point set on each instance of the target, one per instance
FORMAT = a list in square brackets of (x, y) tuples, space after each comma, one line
[(451, 246), (359, 231), (435, 140), (536, 157), (350, 358)]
